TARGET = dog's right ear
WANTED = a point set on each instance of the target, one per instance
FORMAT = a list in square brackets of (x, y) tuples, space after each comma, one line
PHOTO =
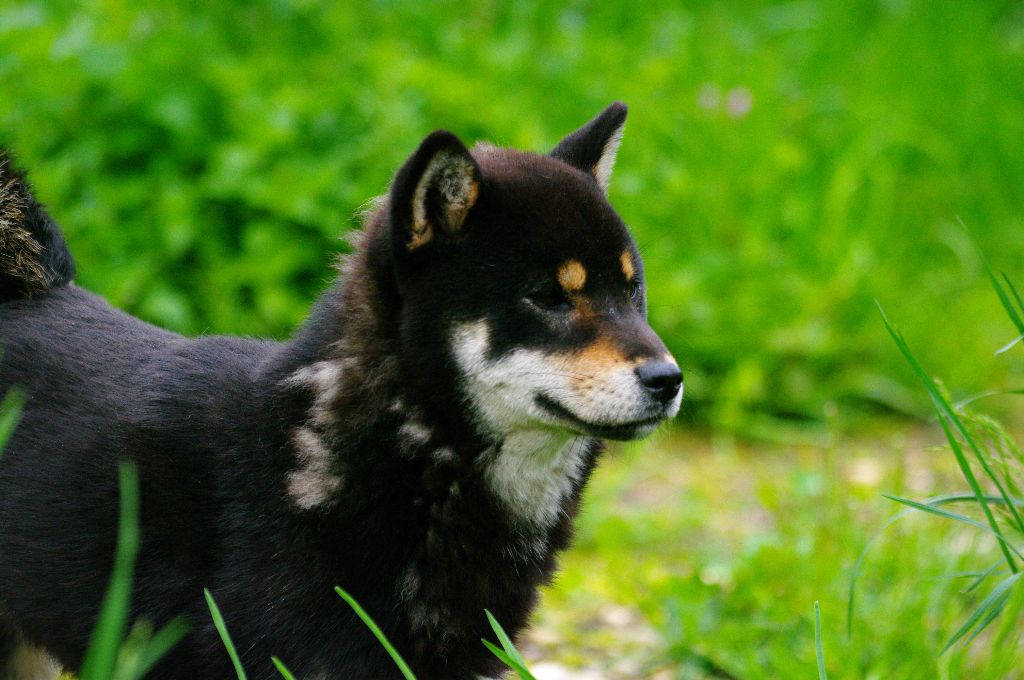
[(592, 148), (433, 192)]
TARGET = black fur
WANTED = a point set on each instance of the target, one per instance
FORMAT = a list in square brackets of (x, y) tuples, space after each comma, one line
[(213, 424), (585, 147)]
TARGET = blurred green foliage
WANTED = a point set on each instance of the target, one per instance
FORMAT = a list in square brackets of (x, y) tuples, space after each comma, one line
[(784, 164)]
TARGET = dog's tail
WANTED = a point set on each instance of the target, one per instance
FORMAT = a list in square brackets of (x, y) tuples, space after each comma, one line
[(33, 255)]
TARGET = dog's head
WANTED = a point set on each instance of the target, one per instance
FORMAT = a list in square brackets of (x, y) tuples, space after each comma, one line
[(522, 291)]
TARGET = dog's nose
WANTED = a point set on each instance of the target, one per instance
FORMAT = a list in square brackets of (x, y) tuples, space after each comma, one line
[(661, 378)]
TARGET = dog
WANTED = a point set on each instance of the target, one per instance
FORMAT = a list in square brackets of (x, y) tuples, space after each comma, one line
[(422, 441)]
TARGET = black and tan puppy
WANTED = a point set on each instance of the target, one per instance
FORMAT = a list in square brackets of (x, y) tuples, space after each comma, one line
[(422, 441)]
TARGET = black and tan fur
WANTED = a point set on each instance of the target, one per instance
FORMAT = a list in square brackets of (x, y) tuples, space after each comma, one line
[(422, 441)]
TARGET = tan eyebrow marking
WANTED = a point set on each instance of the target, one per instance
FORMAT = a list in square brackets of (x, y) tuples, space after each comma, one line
[(627, 265), (572, 276)]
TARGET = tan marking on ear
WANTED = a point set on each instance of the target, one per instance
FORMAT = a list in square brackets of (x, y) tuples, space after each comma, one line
[(422, 231), (602, 170), (421, 235), (458, 210), (451, 175), (627, 265), (572, 276)]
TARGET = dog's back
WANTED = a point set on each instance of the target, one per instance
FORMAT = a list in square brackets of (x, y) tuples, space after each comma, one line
[(100, 386)]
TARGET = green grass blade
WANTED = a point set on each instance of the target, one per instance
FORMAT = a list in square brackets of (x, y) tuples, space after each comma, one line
[(956, 517), (985, 395), (498, 652), (980, 578), (282, 669), (1010, 345), (222, 628), (818, 649), (997, 598), (506, 641), (993, 612), (101, 657), (506, 659), (511, 655), (10, 412), (948, 499), (375, 629), (1016, 295), (947, 412), (159, 645), (1004, 298)]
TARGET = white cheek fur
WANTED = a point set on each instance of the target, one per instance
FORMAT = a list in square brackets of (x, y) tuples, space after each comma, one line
[(503, 391)]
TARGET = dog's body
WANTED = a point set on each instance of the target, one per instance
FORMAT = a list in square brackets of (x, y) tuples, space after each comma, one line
[(422, 441)]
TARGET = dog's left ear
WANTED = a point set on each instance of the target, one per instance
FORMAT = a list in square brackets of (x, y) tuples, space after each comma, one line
[(434, 191), (592, 148)]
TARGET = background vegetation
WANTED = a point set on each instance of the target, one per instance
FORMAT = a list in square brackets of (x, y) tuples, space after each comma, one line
[(785, 164)]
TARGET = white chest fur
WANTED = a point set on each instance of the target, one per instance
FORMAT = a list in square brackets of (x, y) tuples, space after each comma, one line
[(534, 472)]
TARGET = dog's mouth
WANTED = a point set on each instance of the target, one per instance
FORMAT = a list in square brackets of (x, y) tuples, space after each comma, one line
[(633, 429)]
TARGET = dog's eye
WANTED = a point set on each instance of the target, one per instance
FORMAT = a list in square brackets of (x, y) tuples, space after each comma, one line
[(550, 298), (636, 290)]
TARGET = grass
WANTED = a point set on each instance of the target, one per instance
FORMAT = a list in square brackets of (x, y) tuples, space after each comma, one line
[(952, 421), (222, 630), (508, 652), (361, 613), (818, 646), (10, 409), (101, 656), (701, 557), (991, 445)]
